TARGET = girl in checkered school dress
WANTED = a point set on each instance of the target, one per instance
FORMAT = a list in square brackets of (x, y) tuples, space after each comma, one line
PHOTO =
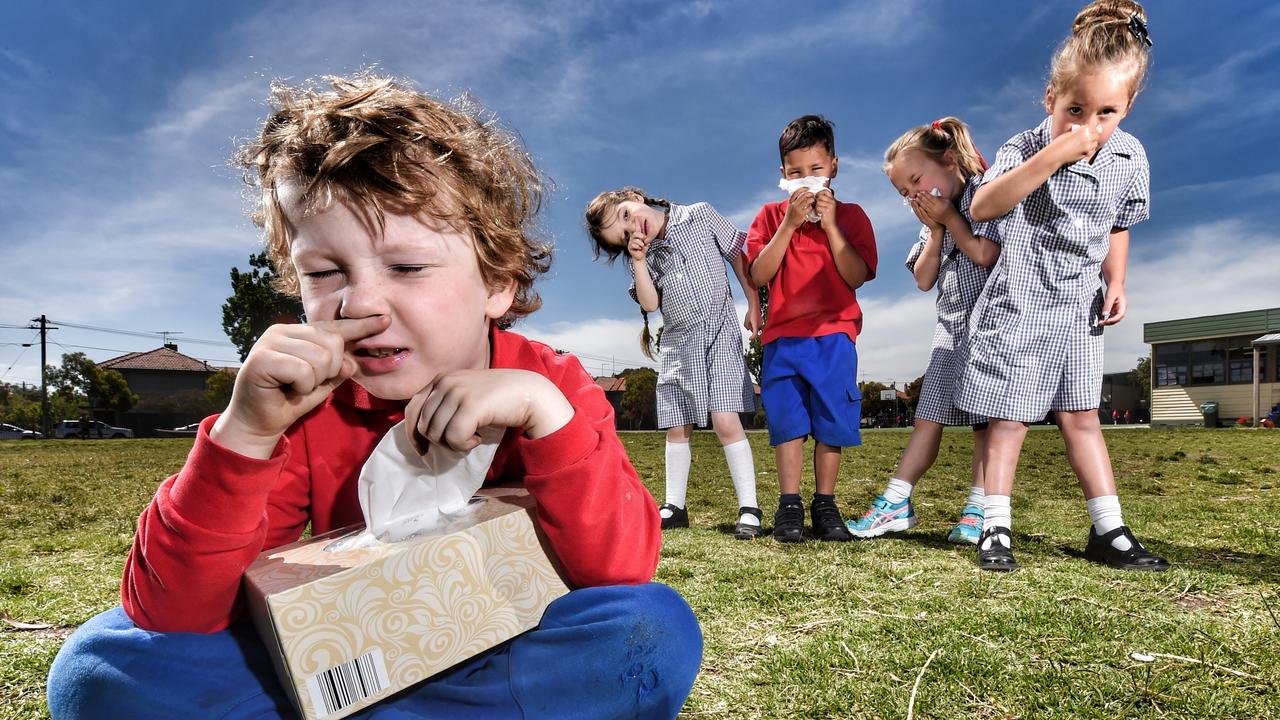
[(1063, 195), (936, 168), (677, 255)]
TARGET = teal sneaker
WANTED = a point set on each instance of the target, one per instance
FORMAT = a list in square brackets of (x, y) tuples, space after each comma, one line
[(969, 529), (884, 517)]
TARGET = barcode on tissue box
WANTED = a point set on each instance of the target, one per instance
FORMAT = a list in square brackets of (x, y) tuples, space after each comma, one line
[(343, 685)]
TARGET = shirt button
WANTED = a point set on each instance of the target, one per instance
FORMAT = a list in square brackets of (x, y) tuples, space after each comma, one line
[(1078, 223)]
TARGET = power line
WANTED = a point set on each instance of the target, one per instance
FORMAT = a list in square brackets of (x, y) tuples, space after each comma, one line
[(139, 333)]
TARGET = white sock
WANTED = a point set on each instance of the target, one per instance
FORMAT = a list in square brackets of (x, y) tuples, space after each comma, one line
[(976, 496), (678, 460), (742, 468), (1106, 515), (897, 490), (998, 514)]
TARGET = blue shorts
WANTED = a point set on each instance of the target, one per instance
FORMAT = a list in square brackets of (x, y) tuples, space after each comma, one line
[(810, 387)]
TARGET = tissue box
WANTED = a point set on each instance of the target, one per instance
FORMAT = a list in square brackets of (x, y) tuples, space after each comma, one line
[(348, 628)]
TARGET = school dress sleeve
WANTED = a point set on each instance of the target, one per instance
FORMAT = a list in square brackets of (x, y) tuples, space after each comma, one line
[(761, 232), (730, 240), (1012, 154), (204, 526), (917, 250), (989, 229), (1135, 204), (597, 515)]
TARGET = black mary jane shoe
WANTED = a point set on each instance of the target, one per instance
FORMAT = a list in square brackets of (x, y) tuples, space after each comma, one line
[(998, 557), (747, 531), (679, 517), (1100, 550)]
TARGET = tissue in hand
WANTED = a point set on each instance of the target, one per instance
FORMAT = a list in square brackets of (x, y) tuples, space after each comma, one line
[(814, 184)]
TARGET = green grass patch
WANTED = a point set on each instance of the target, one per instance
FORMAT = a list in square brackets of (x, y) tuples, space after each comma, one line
[(828, 630)]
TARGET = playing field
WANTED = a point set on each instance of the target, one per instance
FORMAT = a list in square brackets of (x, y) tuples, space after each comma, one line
[(889, 628)]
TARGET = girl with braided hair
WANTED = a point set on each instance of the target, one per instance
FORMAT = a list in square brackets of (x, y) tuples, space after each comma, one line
[(677, 257)]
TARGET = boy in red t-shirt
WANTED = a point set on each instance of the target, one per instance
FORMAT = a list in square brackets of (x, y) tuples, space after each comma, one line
[(809, 377), (404, 224)]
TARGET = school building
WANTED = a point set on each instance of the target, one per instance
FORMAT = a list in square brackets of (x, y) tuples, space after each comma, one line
[(1225, 359)]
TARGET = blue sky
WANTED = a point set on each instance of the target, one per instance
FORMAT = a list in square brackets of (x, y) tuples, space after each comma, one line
[(118, 208)]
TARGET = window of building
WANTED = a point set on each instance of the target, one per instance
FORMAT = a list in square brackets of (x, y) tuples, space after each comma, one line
[(1171, 364), (1208, 361), (1240, 361)]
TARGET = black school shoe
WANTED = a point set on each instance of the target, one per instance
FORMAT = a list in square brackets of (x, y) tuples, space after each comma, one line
[(679, 517), (788, 524), (1100, 550), (998, 557), (747, 531), (827, 522)]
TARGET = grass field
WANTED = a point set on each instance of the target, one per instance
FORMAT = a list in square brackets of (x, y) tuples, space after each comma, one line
[(889, 628)]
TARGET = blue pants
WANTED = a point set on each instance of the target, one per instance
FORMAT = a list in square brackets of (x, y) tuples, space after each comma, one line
[(606, 652), (809, 386)]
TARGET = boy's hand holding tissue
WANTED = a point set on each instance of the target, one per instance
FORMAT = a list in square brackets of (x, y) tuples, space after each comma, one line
[(799, 209), (290, 370), (452, 410)]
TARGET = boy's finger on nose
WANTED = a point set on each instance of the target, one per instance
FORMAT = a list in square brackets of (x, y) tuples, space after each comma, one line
[(357, 328)]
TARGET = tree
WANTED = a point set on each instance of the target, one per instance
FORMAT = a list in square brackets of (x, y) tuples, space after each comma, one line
[(754, 356), (218, 389), (872, 405), (912, 390), (81, 377), (255, 304), (1140, 376), (639, 400)]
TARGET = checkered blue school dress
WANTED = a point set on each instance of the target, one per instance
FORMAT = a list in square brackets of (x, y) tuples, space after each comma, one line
[(960, 281), (1035, 344), (702, 368)]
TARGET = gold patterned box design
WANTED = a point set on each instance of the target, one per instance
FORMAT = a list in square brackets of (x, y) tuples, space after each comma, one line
[(347, 628)]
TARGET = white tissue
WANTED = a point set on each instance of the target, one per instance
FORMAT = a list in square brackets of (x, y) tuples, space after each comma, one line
[(814, 184), (403, 494), (934, 192)]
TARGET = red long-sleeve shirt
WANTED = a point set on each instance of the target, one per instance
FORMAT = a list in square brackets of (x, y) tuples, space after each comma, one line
[(208, 522)]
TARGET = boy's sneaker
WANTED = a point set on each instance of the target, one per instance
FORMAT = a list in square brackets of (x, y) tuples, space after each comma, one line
[(1100, 550), (679, 517), (827, 523), (969, 529), (884, 517), (788, 524), (998, 556)]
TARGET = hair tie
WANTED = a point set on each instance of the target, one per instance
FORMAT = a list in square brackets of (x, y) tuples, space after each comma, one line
[(1138, 29), (936, 124)]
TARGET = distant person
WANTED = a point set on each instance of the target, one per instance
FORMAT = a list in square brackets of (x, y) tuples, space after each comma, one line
[(1063, 195), (936, 168), (1115, 417), (677, 255), (813, 252), (404, 223), (1128, 417)]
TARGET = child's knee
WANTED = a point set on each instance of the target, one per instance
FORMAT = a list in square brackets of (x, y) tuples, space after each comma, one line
[(84, 681)]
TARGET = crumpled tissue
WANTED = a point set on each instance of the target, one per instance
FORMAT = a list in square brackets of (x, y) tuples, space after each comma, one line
[(814, 184), (404, 493)]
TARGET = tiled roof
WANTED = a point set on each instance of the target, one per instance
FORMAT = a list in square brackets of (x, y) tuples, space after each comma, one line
[(159, 359), (612, 384)]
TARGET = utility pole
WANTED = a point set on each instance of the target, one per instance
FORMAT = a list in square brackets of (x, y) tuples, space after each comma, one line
[(44, 386)]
